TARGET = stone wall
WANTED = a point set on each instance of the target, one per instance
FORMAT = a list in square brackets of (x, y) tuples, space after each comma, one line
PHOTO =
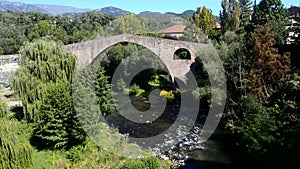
[(8, 65)]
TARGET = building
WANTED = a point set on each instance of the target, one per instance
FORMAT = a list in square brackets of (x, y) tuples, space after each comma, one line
[(175, 31), (294, 25)]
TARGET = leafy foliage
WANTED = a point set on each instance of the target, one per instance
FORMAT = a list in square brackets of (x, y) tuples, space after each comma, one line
[(232, 51), (42, 62), (4, 111), (15, 149), (145, 163), (18, 27), (130, 24), (272, 13), (256, 128), (48, 28), (245, 17), (134, 90), (58, 126), (103, 92), (286, 104), (205, 20), (230, 15)]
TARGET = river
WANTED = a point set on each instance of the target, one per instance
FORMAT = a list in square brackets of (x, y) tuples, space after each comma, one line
[(215, 153)]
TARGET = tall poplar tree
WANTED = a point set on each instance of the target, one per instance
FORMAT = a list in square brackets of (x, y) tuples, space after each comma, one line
[(204, 19), (245, 17), (230, 15)]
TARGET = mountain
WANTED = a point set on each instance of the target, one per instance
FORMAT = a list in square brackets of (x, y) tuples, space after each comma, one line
[(18, 6), (189, 12), (70, 11), (57, 9), (168, 19), (152, 15), (113, 11)]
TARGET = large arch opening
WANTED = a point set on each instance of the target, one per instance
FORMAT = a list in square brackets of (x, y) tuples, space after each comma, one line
[(140, 87)]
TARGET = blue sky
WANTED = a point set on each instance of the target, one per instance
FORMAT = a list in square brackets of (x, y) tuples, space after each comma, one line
[(137, 6)]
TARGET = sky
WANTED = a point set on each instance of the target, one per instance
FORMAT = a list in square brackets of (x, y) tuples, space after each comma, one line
[(137, 6)]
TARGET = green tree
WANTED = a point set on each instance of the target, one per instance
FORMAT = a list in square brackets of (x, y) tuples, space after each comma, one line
[(245, 17), (205, 20), (268, 66), (42, 62), (232, 51), (15, 149), (286, 106), (4, 110), (11, 39), (274, 14), (58, 126), (103, 92), (255, 129), (130, 24), (48, 28), (230, 15), (193, 33)]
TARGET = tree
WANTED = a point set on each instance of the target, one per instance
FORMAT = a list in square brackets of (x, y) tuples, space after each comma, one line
[(11, 39), (15, 149), (193, 33), (272, 13), (103, 92), (43, 83), (130, 24), (42, 62), (245, 17), (92, 97), (268, 66), (205, 20), (255, 129), (58, 126), (48, 28), (232, 51), (286, 106), (230, 15)]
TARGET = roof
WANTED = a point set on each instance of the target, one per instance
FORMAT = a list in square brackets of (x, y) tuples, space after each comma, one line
[(218, 26), (174, 29), (294, 11)]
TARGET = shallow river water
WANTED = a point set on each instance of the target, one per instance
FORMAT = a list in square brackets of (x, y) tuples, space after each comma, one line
[(189, 153)]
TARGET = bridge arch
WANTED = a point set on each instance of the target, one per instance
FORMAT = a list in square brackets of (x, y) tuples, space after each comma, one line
[(87, 51)]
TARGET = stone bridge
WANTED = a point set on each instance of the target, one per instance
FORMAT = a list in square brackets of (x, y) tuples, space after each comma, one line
[(87, 51)]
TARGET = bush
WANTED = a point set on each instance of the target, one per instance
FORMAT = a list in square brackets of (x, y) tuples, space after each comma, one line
[(134, 90), (145, 163), (3, 109), (256, 128), (15, 151)]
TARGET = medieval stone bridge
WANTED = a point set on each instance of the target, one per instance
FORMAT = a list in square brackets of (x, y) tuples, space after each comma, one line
[(87, 51)]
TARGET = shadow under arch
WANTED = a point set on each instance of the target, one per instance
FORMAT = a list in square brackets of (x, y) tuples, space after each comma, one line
[(110, 59)]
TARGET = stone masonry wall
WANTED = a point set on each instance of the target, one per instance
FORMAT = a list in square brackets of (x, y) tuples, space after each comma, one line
[(8, 65)]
